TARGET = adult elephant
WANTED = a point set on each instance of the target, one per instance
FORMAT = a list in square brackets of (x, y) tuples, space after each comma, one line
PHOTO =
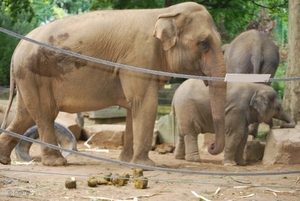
[(185, 41), (251, 52), (246, 103)]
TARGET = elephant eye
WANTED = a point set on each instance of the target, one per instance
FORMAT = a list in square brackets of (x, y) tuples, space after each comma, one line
[(203, 44)]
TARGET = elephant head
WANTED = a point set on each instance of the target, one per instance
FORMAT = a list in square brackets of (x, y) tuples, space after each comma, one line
[(268, 105), (192, 45)]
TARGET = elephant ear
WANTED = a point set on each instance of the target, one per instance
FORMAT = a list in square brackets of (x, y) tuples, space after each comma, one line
[(166, 30), (259, 103)]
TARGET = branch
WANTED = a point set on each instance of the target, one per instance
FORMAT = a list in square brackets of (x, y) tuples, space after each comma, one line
[(284, 4)]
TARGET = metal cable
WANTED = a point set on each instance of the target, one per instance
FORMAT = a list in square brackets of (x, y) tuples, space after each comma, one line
[(145, 166), (186, 181), (128, 67)]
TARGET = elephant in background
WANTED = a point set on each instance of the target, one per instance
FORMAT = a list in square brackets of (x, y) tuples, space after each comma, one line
[(246, 103), (179, 39), (252, 52)]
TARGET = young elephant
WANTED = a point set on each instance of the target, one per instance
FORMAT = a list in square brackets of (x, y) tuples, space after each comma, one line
[(246, 103), (251, 52)]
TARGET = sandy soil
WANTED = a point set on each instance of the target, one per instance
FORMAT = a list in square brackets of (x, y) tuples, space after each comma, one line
[(38, 182)]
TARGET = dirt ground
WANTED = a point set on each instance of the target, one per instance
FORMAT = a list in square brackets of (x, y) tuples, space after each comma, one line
[(37, 182)]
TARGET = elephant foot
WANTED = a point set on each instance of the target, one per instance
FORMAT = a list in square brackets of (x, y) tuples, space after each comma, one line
[(52, 157), (180, 157), (179, 154), (143, 161), (4, 159), (126, 156), (7, 144), (229, 163), (240, 162), (193, 158)]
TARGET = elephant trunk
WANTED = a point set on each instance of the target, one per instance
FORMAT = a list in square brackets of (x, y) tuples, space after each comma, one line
[(217, 91), (282, 115)]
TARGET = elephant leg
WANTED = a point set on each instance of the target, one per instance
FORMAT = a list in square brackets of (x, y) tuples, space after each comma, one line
[(127, 151), (50, 157), (179, 151), (144, 110), (233, 140), (253, 129), (191, 145), (43, 109), (239, 156), (20, 124)]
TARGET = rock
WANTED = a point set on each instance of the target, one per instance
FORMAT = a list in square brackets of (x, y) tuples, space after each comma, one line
[(111, 112), (107, 176), (126, 177), (282, 146), (137, 172), (141, 182), (108, 136), (70, 183), (92, 182), (165, 148), (164, 126), (105, 136), (254, 151), (102, 181), (118, 180)]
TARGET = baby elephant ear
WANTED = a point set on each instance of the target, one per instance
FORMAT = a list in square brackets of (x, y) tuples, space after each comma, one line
[(258, 103), (166, 30)]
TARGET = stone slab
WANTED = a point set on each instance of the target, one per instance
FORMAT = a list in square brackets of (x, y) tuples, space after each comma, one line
[(111, 112), (282, 146)]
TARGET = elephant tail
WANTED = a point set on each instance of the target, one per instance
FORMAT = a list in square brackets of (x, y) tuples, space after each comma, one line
[(10, 100)]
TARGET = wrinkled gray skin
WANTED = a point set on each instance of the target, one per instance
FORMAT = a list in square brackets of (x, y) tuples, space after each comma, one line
[(64, 137), (246, 103), (180, 39), (251, 52)]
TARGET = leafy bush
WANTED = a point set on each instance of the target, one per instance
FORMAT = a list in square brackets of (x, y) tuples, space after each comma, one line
[(8, 43), (279, 86)]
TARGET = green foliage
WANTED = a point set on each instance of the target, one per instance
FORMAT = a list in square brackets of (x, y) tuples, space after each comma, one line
[(72, 6), (125, 4), (16, 7), (279, 86), (9, 43)]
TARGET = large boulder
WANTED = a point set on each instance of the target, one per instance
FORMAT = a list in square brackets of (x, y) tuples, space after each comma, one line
[(282, 146), (106, 136), (254, 151), (109, 136)]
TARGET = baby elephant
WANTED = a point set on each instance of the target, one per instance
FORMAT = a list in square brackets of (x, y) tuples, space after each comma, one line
[(247, 103)]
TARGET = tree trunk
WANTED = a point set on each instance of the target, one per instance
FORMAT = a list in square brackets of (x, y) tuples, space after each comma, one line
[(168, 3), (291, 99)]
